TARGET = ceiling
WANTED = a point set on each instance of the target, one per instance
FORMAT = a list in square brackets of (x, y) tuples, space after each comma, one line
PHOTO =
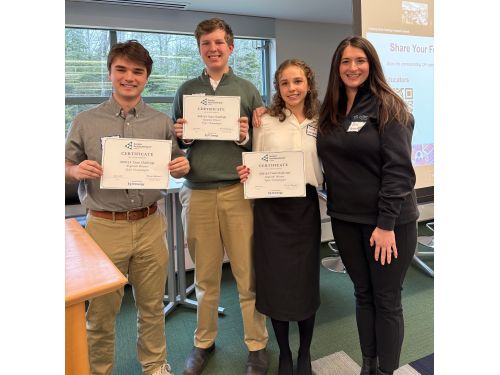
[(325, 11), (328, 11)]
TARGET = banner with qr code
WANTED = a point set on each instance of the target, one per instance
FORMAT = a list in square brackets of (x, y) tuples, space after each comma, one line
[(408, 63)]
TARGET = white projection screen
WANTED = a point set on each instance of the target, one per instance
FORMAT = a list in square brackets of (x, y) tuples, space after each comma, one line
[(403, 34)]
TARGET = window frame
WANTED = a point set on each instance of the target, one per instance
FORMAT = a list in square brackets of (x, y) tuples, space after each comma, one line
[(113, 38)]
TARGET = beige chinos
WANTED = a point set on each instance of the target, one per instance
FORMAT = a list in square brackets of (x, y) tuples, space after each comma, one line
[(138, 249), (219, 219)]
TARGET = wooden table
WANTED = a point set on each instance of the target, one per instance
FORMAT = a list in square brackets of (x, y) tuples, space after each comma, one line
[(89, 273)]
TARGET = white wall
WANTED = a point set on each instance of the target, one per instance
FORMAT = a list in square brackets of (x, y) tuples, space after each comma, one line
[(312, 42), (124, 17)]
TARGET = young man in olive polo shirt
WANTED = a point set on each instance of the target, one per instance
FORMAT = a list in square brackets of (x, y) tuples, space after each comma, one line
[(216, 215), (125, 223)]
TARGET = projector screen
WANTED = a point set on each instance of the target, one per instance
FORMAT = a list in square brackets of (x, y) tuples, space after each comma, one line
[(403, 35)]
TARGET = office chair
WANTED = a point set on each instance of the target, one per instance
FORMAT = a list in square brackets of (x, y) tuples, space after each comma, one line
[(332, 263), (73, 208), (428, 242)]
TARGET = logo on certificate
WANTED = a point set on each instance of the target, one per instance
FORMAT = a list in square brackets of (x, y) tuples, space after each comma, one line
[(265, 157), (135, 145)]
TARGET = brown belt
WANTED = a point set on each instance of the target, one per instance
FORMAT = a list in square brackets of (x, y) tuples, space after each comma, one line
[(126, 215)]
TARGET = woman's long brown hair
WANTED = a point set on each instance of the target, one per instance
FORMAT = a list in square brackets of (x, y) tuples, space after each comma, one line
[(333, 109)]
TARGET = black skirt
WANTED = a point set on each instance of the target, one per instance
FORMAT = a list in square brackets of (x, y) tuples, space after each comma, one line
[(287, 237)]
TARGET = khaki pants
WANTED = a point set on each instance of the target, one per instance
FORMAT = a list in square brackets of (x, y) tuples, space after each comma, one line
[(219, 219), (137, 248)]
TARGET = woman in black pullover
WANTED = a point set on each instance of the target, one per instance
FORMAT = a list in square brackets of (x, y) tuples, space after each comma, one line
[(364, 144)]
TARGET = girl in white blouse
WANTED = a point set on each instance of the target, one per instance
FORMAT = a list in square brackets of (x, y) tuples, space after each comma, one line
[(287, 231)]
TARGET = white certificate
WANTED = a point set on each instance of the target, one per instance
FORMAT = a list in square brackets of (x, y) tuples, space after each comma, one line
[(211, 117), (130, 163), (275, 174)]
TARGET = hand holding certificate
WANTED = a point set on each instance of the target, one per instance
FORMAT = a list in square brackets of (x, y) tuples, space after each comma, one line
[(274, 174), (211, 117), (130, 163)]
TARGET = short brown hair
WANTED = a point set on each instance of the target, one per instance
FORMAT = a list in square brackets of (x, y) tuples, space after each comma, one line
[(132, 50), (212, 24)]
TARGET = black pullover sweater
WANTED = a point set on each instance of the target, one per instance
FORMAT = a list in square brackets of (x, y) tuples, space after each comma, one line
[(368, 174)]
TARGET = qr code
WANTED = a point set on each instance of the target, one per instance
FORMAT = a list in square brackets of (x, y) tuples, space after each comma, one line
[(406, 93)]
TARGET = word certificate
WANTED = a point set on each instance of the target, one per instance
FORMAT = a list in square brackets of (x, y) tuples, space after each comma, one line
[(211, 117), (274, 174), (130, 163)]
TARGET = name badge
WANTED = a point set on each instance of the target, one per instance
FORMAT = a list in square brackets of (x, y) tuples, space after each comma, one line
[(356, 126), (312, 129)]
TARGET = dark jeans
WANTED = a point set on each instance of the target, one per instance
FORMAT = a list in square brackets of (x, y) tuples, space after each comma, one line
[(377, 288)]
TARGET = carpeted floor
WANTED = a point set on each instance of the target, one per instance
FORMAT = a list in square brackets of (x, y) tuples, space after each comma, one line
[(341, 364), (424, 365), (335, 329)]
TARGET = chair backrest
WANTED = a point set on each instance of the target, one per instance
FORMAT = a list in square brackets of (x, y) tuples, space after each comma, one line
[(71, 193)]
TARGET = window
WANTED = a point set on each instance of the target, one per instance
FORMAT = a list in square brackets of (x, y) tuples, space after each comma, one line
[(176, 59)]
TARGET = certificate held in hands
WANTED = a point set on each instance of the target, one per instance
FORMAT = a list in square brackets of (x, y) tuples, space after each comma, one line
[(130, 163), (211, 117), (275, 174)]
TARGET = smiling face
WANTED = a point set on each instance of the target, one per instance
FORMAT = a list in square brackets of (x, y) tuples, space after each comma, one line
[(128, 79), (215, 52), (354, 68), (293, 88)]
